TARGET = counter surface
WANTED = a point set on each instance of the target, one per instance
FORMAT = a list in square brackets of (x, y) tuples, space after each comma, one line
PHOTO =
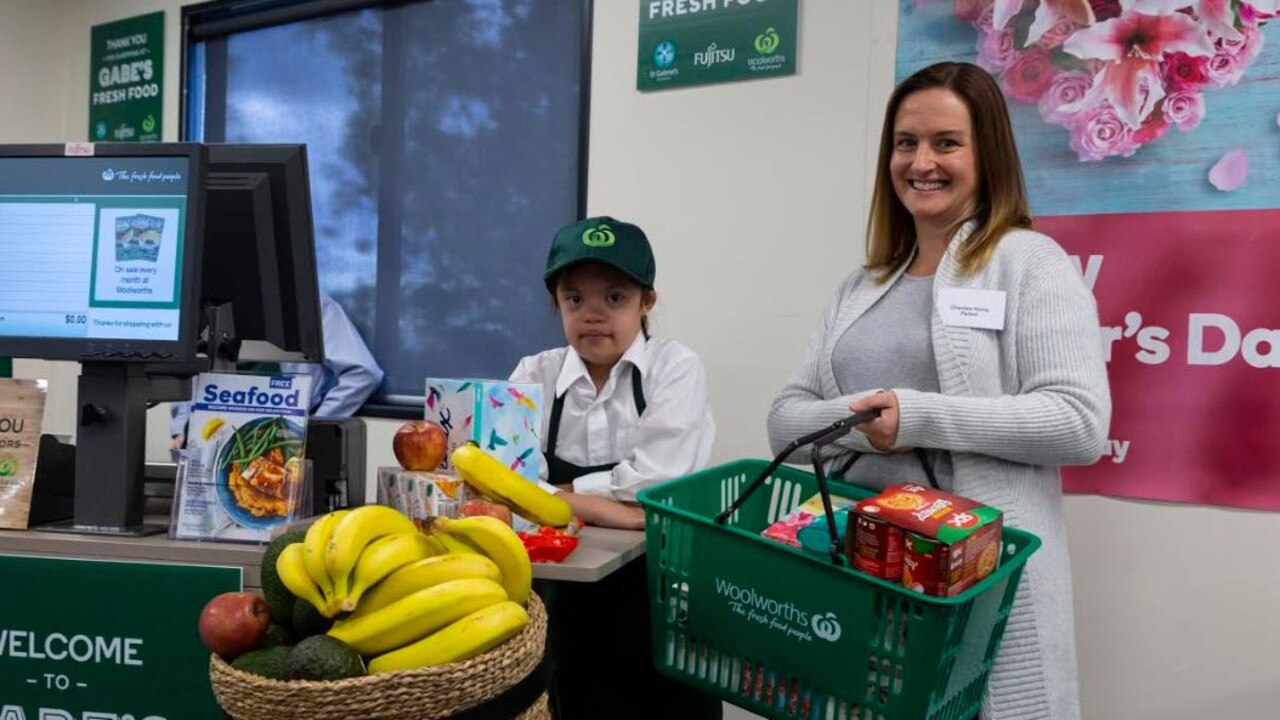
[(600, 552)]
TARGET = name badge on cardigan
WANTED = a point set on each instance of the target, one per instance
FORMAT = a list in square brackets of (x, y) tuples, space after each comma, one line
[(963, 307)]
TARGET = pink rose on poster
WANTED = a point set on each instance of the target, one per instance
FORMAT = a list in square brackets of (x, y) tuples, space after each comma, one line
[(1030, 74), (1098, 133), (1246, 47), (1229, 173), (997, 53), (1225, 69), (1068, 88), (1183, 72), (1183, 109), (1057, 34), (1086, 64)]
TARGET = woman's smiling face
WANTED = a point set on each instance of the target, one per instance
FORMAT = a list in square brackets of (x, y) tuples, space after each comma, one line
[(934, 164)]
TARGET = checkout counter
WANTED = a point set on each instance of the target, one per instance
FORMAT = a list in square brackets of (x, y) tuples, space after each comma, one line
[(600, 552), (336, 449)]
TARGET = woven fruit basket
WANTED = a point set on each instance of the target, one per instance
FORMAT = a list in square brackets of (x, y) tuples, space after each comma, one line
[(431, 693)]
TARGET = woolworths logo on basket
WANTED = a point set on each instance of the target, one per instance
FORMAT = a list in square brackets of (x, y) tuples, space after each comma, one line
[(777, 615)]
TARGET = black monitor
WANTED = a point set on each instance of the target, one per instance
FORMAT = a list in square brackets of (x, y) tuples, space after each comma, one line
[(101, 245), (102, 248), (260, 248)]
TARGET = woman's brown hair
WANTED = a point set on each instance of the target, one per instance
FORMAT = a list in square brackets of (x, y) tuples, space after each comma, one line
[(1002, 196)]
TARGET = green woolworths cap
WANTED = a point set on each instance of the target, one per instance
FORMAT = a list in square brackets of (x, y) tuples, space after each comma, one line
[(603, 240)]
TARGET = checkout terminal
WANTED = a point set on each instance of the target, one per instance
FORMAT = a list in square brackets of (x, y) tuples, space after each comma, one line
[(149, 264)]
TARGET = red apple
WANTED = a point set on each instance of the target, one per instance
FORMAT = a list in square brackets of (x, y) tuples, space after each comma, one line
[(234, 623), (420, 445), (478, 506)]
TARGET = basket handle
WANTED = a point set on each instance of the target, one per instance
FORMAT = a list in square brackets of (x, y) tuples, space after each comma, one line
[(834, 548), (819, 439)]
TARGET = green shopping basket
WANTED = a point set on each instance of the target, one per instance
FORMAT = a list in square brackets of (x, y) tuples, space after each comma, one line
[(787, 634)]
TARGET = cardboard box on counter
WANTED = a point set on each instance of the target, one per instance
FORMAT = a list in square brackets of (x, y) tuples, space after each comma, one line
[(504, 418)]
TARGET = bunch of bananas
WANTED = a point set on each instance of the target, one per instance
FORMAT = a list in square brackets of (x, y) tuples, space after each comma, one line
[(488, 476), (409, 599)]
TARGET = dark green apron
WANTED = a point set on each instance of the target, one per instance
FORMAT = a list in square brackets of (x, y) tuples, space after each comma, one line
[(599, 632)]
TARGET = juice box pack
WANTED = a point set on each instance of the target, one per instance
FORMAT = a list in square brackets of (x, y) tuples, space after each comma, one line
[(787, 529), (243, 470), (949, 543), (504, 418), (419, 494)]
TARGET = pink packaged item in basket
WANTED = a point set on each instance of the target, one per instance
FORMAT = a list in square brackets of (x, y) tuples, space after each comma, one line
[(787, 529)]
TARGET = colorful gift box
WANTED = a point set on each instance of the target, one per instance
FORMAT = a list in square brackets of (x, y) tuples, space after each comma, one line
[(504, 418)]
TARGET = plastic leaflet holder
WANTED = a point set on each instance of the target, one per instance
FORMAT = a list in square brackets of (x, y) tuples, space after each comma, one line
[(244, 471)]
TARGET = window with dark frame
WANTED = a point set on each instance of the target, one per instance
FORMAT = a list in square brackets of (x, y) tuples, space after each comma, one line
[(447, 143)]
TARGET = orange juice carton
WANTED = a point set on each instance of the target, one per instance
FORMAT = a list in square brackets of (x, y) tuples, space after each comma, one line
[(430, 494)]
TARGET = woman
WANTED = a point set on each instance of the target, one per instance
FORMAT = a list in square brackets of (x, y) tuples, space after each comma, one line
[(978, 342)]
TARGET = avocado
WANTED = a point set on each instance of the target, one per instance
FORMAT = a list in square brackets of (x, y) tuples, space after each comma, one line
[(279, 599), (272, 662), (321, 657), (277, 635), (308, 621)]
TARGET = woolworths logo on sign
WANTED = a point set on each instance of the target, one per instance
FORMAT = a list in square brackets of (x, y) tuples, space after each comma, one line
[(778, 615), (767, 42)]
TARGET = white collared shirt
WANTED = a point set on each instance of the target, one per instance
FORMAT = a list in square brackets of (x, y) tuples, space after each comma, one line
[(672, 438)]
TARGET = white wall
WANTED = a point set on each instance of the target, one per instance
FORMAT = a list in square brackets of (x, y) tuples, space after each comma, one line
[(754, 194), (31, 110)]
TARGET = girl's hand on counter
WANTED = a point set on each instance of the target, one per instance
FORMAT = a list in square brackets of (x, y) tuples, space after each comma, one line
[(604, 512)]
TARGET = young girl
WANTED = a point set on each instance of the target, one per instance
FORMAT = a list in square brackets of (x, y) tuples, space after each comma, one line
[(630, 411)]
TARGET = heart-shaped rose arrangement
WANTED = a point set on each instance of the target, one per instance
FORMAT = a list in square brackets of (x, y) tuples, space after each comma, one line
[(1117, 74)]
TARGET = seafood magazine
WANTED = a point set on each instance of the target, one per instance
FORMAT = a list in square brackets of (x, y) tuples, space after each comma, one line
[(244, 460)]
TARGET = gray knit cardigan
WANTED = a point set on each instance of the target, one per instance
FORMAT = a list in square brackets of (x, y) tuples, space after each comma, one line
[(1014, 405)]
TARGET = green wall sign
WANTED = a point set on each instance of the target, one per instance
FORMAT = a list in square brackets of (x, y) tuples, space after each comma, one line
[(696, 42), (89, 640), (126, 80)]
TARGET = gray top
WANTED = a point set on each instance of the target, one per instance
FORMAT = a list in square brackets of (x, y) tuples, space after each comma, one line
[(890, 347), (1014, 404)]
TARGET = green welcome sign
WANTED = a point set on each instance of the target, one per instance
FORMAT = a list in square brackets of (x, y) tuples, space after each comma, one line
[(696, 42), (126, 81), (88, 640)]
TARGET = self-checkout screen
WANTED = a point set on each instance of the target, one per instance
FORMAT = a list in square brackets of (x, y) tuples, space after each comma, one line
[(91, 247)]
